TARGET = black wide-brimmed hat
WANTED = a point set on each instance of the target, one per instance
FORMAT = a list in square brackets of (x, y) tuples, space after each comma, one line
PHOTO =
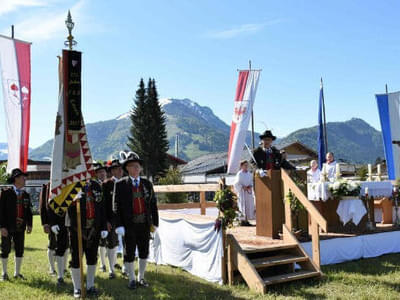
[(267, 134), (113, 164), (14, 174), (99, 166), (129, 157)]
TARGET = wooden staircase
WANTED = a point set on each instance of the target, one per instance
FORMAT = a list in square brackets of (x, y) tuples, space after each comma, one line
[(261, 267), (277, 261)]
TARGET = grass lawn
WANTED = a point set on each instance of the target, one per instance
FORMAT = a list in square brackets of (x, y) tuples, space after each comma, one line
[(377, 278)]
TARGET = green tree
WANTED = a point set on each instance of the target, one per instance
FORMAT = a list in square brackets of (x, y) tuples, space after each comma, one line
[(148, 133), (138, 140), (3, 173), (173, 176), (157, 131)]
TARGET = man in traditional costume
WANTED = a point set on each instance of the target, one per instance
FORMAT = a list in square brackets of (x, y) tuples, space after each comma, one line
[(54, 226), (101, 176), (243, 185), (115, 169), (136, 213), (94, 227), (267, 156), (15, 219)]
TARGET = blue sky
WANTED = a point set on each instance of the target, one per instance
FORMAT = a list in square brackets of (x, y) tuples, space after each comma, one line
[(193, 49)]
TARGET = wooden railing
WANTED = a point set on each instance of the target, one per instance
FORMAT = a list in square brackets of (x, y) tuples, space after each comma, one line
[(186, 188), (317, 220)]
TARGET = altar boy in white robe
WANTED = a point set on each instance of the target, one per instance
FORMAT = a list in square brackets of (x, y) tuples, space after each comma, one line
[(313, 175), (330, 166), (243, 185)]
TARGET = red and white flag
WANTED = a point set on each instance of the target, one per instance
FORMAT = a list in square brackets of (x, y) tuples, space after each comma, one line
[(15, 62), (245, 95)]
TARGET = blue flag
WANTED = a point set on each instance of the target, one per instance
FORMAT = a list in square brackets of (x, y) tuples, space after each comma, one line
[(321, 131)]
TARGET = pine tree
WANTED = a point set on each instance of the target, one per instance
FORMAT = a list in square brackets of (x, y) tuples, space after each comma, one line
[(138, 140), (157, 131), (148, 133)]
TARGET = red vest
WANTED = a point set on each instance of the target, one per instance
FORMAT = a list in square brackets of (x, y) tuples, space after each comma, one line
[(20, 208), (138, 200), (90, 210)]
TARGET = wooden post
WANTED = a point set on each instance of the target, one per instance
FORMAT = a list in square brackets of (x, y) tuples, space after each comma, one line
[(80, 247), (230, 263), (223, 259), (202, 203), (315, 243)]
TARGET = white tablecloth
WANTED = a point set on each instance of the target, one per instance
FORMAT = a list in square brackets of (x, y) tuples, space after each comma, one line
[(377, 189), (351, 210), (320, 190)]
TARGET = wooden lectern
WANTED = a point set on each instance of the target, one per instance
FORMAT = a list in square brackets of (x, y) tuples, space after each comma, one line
[(269, 204)]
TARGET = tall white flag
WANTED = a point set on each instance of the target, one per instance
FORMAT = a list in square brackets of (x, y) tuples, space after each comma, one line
[(245, 95)]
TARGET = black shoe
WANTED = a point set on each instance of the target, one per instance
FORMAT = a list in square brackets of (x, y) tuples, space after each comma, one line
[(132, 285), (103, 269), (77, 293), (117, 266), (4, 277), (92, 292), (124, 274), (245, 223), (19, 276), (60, 281), (52, 273), (143, 283), (111, 276)]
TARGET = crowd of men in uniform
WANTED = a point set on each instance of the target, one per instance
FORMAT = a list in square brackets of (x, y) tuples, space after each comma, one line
[(115, 209)]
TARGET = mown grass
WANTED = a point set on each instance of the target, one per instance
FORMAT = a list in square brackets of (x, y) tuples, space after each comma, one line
[(377, 278)]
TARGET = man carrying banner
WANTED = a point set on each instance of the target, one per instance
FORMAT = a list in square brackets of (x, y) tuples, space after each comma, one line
[(112, 239), (94, 227), (267, 156), (136, 214), (15, 218)]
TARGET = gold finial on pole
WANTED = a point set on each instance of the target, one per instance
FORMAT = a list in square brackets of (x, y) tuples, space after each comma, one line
[(70, 42)]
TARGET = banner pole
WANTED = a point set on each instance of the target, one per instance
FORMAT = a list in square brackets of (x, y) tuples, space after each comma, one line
[(80, 247), (12, 31), (252, 118), (323, 109)]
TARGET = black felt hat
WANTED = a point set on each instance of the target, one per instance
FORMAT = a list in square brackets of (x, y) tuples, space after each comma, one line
[(129, 157), (267, 134), (99, 166), (113, 164), (14, 174)]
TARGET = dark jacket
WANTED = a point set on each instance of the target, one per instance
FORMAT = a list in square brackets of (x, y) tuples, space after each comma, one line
[(108, 191), (43, 205), (8, 210), (123, 204), (100, 222), (262, 157), (285, 164)]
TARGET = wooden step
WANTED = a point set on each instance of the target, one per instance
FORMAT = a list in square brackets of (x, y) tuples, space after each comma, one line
[(282, 259), (279, 247), (290, 277)]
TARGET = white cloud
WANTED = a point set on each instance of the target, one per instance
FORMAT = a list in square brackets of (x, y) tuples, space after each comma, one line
[(240, 30), (8, 6), (46, 24)]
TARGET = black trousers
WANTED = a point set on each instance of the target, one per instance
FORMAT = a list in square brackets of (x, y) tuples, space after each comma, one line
[(136, 235), (111, 241), (90, 245), (59, 242), (18, 237)]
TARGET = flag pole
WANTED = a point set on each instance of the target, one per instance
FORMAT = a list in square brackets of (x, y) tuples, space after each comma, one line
[(70, 42), (12, 31), (323, 111), (252, 119), (386, 89)]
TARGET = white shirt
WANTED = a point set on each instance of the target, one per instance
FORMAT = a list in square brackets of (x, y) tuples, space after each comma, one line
[(313, 176), (133, 181), (331, 170)]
